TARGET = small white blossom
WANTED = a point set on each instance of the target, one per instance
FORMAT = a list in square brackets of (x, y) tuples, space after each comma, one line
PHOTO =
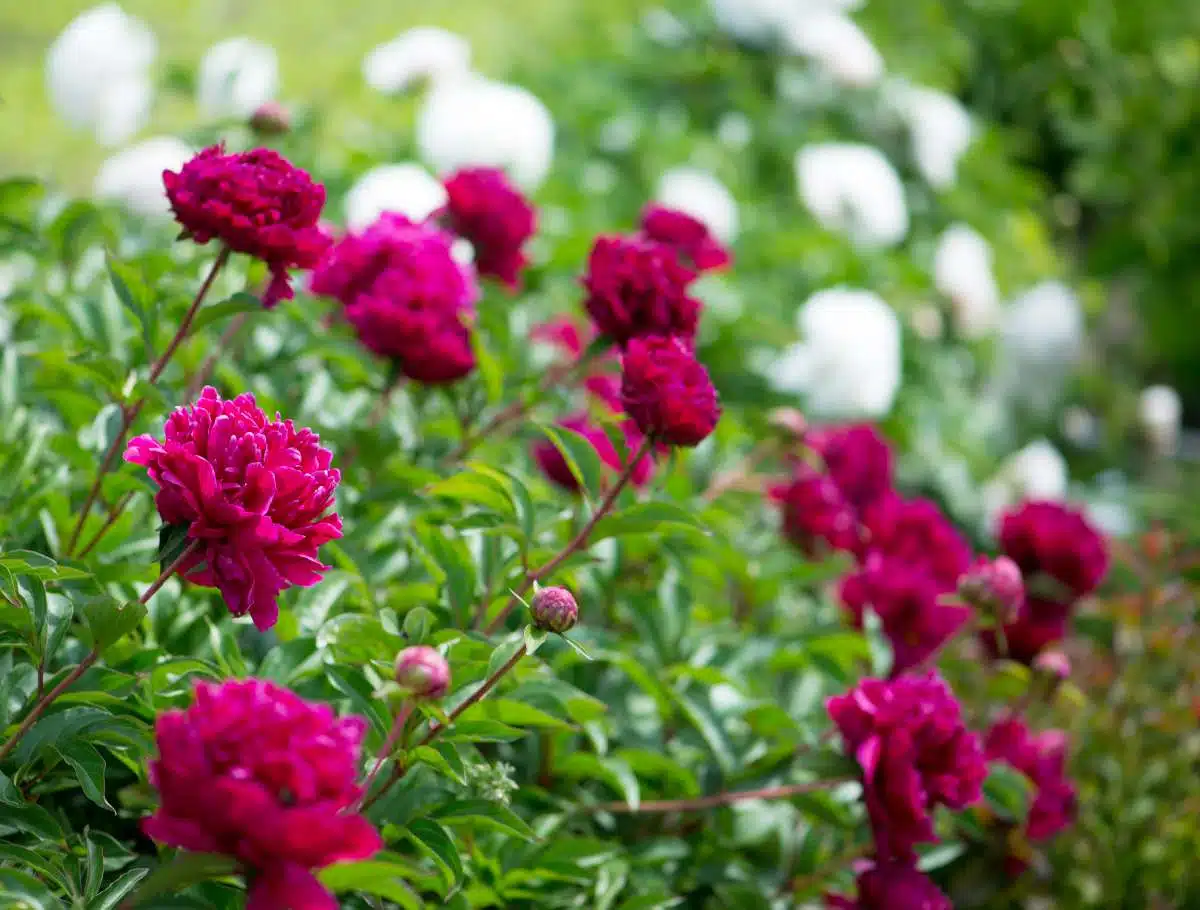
[(1160, 411), (836, 44), (962, 270), (405, 188), (419, 54), (853, 189), (475, 122), (1037, 471), (98, 73), (1041, 341), (939, 127), (236, 77), (701, 195), (133, 176), (848, 364)]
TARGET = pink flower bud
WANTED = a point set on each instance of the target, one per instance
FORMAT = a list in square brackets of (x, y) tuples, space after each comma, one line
[(270, 119), (995, 588), (554, 610), (423, 672), (1053, 664), (789, 421)]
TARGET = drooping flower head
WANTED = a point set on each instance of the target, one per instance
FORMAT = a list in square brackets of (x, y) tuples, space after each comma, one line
[(892, 886), (667, 391), (405, 295), (1051, 539), (257, 494), (1042, 758), (256, 203), (556, 469), (816, 516), (858, 459), (908, 737), (638, 287), (688, 236), (492, 214), (253, 771)]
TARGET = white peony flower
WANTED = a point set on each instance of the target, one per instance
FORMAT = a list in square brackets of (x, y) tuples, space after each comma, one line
[(419, 54), (1041, 340), (854, 189), (701, 195), (1037, 471), (133, 176), (236, 77), (848, 364), (474, 122), (939, 128), (1160, 411), (836, 44), (405, 188), (98, 73), (962, 270), (762, 22)]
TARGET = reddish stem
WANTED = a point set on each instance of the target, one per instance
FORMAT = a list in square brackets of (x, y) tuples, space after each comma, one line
[(389, 746)]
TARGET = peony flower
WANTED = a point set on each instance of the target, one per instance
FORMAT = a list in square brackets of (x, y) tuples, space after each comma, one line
[(853, 189), (1039, 624), (255, 203), (688, 237), (916, 532), (835, 43), (552, 463), (858, 460), (1054, 540), (406, 296), (848, 364), (702, 196), (817, 517), (667, 391), (422, 672), (254, 772), (474, 122), (554, 610), (940, 129), (257, 495), (1041, 341), (908, 737), (994, 587), (1043, 759), (133, 176), (236, 77), (962, 271), (98, 73), (561, 333), (892, 886), (416, 55), (405, 189), (485, 209), (1160, 412), (638, 287)]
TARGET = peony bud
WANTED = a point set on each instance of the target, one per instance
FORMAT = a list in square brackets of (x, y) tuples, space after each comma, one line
[(270, 119), (788, 421), (554, 610), (1054, 665), (995, 588), (423, 672)]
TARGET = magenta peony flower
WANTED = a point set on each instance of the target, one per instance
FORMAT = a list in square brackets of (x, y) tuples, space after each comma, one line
[(816, 516), (636, 287), (555, 467), (915, 530), (563, 333), (253, 771), (858, 460), (667, 392), (1043, 759), (485, 208), (1040, 624), (892, 886), (915, 753), (688, 236), (907, 600), (256, 493), (1051, 539), (994, 587), (255, 203), (405, 295), (423, 672)]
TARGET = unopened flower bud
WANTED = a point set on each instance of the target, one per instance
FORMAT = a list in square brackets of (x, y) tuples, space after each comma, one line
[(994, 587), (1054, 665), (554, 610), (270, 119), (423, 672), (788, 421)]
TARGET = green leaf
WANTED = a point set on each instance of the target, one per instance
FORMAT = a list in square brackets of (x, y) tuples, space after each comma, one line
[(576, 647), (580, 455), (417, 623), (534, 638), (20, 889), (486, 813), (709, 729), (475, 488), (111, 897), (435, 842), (137, 297), (182, 871), (646, 518), (616, 772), (35, 820), (241, 302), (942, 855), (481, 731), (88, 764), (108, 620), (372, 876), (515, 714), (172, 541), (1007, 792)]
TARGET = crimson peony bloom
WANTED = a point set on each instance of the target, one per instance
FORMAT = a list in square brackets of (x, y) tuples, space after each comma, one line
[(484, 207), (908, 737), (405, 295), (857, 459), (551, 462), (637, 287), (1054, 540), (256, 493), (816, 516), (1040, 624), (688, 236), (256, 203), (253, 771), (1042, 758), (667, 392), (916, 531), (892, 886), (561, 332)]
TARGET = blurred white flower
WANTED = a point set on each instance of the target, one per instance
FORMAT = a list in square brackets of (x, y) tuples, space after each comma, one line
[(1080, 427), (1041, 341), (854, 189), (236, 77), (939, 128), (762, 22), (735, 130), (98, 73), (419, 54), (701, 195), (405, 188), (836, 44), (133, 176), (848, 364), (474, 122), (1160, 411), (962, 270), (1037, 471)]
